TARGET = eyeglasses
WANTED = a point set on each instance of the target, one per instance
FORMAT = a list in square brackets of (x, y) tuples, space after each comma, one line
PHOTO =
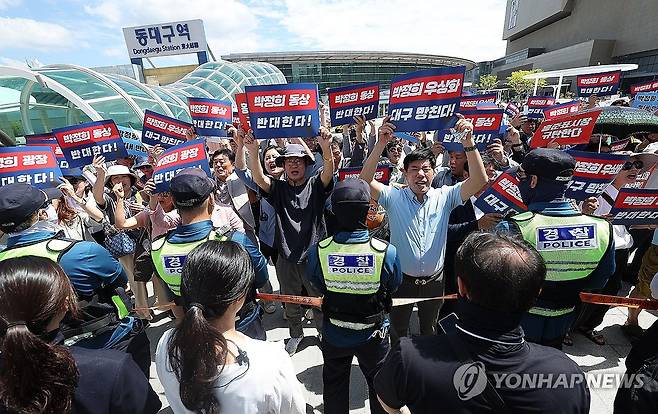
[(294, 161), (638, 165)]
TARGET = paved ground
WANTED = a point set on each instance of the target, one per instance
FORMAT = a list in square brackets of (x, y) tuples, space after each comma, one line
[(308, 360)]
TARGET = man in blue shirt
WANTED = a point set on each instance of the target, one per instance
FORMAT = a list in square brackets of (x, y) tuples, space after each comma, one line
[(578, 249), (192, 192), (418, 219), (356, 275)]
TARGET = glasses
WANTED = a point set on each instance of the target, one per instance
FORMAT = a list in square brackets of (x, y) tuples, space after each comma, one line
[(638, 165), (294, 161)]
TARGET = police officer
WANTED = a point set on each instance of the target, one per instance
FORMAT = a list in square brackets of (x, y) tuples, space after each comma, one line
[(191, 190), (357, 275), (97, 277), (578, 249)]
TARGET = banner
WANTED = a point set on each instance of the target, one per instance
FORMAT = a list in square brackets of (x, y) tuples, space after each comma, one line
[(177, 158), (49, 140), (382, 174), (486, 128), (284, 111), (243, 110), (34, 165), (635, 206), (647, 101), (132, 140), (502, 196), (425, 100), (354, 100), (210, 116), (162, 130), (644, 87), (472, 101), (593, 173), (537, 104), (512, 110), (600, 84), (80, 143), (569, 130), (559, 110)]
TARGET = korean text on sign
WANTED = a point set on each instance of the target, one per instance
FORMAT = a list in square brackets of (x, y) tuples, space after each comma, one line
[(512, 110), (559, 110), (210, 116), (537, 104), (600, 84), (486, 125), (243, 110), (593, 173), (567, 130), (647, 101), (425, 100), (34, 165), (177, 158), (472, 101), (635, 206), (165, 39), (49, 140), (382, 174), (80, 143), (162, 130), (644, 87), (355, 100), (283, 111), (501, 197)]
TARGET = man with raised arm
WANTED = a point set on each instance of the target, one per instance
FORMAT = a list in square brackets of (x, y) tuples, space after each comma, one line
[(418, 218)]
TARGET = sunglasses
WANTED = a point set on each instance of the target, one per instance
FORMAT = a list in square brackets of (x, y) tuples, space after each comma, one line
[(638, 165)]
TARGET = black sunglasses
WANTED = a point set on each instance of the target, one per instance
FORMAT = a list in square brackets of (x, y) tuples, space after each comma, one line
[(633, 164)]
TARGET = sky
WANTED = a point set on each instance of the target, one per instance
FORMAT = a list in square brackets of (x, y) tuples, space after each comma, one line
[(88, 33)]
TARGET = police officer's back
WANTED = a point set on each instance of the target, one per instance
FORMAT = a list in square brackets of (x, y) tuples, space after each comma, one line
[(498, 276)]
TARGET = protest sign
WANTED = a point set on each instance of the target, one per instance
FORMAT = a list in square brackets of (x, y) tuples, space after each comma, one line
[(563, 109), (406, 136), (472, 101), (162, 130), (243, 110), (486, 125), (382, 174), (537, 104), (635, 206), (210, 116), (567, 130), (49, 140), (593, 173), (502, 196), (425, 100), (283, 111), (34, 165), (132, 140), (512, 110), (355, 100), (644, 87), (176, 158), (80, 143), (643, 178), (600, 84), (647, 101)]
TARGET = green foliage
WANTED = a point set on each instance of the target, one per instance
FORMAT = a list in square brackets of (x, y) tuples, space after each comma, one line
[(487, 82), (524, 86)]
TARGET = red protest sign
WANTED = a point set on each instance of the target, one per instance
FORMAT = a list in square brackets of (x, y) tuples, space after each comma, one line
[(557, 111), (567, 130), (502, 196), (382, 174), (644, 87), (243, 110), (600, 84)]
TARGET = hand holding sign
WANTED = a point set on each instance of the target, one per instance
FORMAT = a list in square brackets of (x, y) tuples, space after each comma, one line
[(251, 144), (386, 132), (496, 150), (464, 126), (324, 140), (99, 165)]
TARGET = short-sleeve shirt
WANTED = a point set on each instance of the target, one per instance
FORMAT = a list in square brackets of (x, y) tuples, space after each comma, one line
[(299, 216), (419, 230)]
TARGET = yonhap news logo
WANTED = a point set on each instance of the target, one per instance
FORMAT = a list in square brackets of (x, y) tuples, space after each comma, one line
[(470, 380)]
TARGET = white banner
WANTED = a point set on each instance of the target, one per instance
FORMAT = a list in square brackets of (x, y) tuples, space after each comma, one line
[(165, 39)]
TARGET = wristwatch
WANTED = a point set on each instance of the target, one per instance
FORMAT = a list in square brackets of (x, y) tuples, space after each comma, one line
[(469, 149)]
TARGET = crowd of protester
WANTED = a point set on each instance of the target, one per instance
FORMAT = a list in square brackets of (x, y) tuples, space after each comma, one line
[(74, 304)]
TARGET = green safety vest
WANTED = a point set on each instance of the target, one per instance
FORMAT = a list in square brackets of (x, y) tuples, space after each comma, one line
[(53, 249), (169, 258), (572, 247), (352, 276)]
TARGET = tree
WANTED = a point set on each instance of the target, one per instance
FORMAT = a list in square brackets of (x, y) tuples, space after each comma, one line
[(524, 86), (487, 82)]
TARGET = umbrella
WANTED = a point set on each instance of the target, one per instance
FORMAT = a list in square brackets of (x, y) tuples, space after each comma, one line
[(621, 121)]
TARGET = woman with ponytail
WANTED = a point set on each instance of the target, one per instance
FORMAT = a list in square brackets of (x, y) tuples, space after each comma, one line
[(37, 373), (204, 364)]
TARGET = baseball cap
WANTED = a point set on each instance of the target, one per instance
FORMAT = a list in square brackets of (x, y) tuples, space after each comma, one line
[(19, 201), (191, 187), (351, 190), (550, 164)]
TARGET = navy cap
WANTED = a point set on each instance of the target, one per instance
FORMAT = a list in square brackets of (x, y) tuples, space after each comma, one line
[(351, 190), (19, 201), (550, 164), (191, 187)]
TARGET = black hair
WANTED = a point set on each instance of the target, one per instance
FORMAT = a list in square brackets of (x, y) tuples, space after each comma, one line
[(501, 272), (224, 151), (420, 154), (262, 154), (338, 141), (35, 376), (215, 275)]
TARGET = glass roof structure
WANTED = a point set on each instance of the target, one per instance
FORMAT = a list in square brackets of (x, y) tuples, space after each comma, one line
[(35, 101)]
